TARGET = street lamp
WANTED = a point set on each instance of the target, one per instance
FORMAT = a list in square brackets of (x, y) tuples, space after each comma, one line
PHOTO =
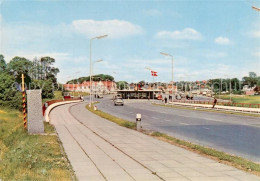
[(90, 66), (256, 8), (97, 61), (169, 55)]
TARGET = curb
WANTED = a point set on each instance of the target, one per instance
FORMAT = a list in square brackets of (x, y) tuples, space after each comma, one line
[(49, 108)]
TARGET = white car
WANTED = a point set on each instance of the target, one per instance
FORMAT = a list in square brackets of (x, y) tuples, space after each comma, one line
[(118, 101)]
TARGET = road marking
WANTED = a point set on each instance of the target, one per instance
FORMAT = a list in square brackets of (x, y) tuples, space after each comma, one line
[(184, 123), (155, 118), (205, 127), (168, 120)]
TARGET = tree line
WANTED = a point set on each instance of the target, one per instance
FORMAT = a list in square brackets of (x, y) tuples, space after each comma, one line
[(98, 77), (39, 73)]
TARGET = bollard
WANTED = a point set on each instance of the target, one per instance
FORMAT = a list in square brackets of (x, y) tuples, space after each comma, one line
[(138, 122), (95, 108)]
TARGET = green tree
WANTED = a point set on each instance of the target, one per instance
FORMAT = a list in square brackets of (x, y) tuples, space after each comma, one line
[(251, 80), (18, 66), (252, 74), (45, 85), (9, 95), (2, 63), (122, 84)]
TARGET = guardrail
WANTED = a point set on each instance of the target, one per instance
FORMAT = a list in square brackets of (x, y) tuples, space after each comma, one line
[(218, 107), (249, 105)]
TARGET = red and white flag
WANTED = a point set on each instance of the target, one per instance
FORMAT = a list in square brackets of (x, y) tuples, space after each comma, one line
[(154, 73)]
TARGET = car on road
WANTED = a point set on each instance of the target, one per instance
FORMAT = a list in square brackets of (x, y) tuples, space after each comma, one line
[(99, 96), (118, 101)]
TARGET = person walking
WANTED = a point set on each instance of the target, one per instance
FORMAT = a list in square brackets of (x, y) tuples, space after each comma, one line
[(165, 100), (215, 102)]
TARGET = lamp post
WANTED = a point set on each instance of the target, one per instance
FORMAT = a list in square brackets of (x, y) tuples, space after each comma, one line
[(169, 55), (97, 61), (90, 66)]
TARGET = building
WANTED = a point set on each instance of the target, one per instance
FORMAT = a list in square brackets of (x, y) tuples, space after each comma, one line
[(97, 87), (248, 90)]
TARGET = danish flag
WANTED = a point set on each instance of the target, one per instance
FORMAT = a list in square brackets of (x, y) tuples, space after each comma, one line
[(154, 73)]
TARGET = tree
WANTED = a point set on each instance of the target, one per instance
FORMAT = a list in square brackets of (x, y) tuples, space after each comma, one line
[(99, 77), (45, 85), (257, 89), (252, 74), (252, 80), (122, 85), (9, 96), (18, 66), (2, 63)]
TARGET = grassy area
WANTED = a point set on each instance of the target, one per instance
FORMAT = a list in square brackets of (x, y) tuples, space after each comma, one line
[(221, 157), (57, 96), (241, 98), (207, 110), (76, 94), (112, 118), (30, 157)]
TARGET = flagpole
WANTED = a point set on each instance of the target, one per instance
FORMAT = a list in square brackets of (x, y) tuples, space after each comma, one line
[(153, 88)]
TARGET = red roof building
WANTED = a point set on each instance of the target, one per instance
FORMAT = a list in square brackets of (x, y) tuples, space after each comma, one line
[(101, 86)]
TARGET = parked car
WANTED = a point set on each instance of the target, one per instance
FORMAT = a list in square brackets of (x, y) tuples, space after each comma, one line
[(118, 101)]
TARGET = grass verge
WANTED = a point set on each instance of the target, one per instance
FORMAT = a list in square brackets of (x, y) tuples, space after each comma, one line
[(112, 118), (219, 156), (207, 110), (57, 95), (254, 99), (30, 157)]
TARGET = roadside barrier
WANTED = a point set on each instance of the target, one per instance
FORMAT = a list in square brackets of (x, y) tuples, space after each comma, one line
[(48, 103), (222, 103), (50, 107), (218, 107)]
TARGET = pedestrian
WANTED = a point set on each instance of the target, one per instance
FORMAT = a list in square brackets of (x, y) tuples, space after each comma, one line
[(165, 100), (215, 102)]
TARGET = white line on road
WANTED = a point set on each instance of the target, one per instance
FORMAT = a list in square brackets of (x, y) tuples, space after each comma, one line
[(205, 127), (167, 120), (184, 124), (155, 118)]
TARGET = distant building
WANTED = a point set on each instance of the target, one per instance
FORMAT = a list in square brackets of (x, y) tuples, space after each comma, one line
[(97, 86), (248, 90)]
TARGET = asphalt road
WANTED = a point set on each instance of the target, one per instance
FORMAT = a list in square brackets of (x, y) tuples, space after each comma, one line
[(234, 134)]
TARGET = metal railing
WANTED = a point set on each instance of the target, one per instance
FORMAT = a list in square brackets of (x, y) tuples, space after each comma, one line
[(248, 105)]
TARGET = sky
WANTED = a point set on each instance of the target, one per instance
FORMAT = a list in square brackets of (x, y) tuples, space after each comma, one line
[(207, 39)]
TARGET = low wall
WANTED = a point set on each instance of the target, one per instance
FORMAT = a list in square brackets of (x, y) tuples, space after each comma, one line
[(49, 108)]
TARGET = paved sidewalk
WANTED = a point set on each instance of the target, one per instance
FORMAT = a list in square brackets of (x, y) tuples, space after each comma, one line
[(101, 150)]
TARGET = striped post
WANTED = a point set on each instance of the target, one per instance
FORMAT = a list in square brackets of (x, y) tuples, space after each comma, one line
[(24, 103)]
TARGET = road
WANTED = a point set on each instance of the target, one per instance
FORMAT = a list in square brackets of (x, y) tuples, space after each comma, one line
[(234, 134)]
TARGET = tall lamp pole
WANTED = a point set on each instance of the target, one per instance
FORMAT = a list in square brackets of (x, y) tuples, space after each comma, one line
[(90, 66), (169, 55)]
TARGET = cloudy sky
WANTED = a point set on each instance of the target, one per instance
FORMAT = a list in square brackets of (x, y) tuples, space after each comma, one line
[(208, 39)]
